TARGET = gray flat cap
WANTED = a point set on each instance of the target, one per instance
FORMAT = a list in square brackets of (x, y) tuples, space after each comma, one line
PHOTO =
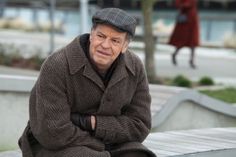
[(117, 18)]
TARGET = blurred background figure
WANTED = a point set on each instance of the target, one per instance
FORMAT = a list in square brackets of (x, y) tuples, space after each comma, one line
[(186, 31)]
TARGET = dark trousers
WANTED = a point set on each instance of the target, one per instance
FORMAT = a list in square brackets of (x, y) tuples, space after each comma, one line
[(131, 154)]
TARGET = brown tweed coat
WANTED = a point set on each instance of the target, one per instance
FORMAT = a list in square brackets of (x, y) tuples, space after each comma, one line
[(67, 83)]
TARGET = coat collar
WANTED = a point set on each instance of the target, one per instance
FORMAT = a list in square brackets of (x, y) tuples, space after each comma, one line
[(76, 59), (75, 56)]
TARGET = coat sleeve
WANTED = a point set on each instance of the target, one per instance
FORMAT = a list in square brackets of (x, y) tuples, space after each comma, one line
[(50, 111), (135, 122)]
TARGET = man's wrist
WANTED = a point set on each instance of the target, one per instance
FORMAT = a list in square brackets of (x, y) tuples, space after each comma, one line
[(93, 122)]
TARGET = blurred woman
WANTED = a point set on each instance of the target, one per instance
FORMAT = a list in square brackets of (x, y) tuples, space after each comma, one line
[(186, 31)]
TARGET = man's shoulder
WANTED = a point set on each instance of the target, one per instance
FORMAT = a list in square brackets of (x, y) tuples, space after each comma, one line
[(60, 56), (57, 57), (55, 62), (132, 57), (133, 62)]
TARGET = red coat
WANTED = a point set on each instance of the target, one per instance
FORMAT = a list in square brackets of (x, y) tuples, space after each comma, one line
[(186, 34)]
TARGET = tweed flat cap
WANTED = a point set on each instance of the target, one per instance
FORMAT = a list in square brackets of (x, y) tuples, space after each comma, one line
[(117, 18)]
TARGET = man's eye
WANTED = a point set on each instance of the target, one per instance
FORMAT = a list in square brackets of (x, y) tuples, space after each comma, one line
[(100, 36), (116, 41)]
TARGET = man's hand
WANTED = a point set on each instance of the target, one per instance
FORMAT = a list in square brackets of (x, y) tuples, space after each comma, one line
[(85, 122)]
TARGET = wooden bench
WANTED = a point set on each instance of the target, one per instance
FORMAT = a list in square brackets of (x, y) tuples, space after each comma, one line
[(213, 142)]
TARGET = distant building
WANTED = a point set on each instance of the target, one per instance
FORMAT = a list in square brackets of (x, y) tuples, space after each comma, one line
[(165, 4), (127, 4)]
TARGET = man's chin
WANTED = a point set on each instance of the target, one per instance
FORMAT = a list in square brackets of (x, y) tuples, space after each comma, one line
[(101, 63)]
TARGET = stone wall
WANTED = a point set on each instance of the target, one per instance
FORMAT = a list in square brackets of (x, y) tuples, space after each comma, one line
[(13, 118), (14, 97)]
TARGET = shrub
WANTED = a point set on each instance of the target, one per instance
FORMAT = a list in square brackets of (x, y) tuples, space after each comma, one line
[(15, 60), (36, 62), (181, 81), (206, 81), (5, 59)]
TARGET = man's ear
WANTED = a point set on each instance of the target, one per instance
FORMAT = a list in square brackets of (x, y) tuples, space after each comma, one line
[(125, 47), (90, 35)]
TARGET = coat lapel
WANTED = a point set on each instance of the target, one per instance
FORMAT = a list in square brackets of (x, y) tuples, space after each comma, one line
[(125, 69), (93, 76), (119, 73), (125, 63)]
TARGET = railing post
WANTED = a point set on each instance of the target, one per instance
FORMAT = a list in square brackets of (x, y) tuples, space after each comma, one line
[(235, 26), (208, 29)]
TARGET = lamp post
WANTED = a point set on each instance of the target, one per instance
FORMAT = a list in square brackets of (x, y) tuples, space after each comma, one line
[(35, 8), (2, 7), (84, 16), (52, 30)]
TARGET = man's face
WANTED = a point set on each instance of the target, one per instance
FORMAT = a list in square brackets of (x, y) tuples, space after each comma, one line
[(105, 45)]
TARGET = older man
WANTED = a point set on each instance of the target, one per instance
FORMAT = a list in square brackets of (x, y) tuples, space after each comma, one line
[(91, 98)]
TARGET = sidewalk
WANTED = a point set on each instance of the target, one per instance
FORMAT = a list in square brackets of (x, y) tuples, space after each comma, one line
[(219, 64), (200, 51)]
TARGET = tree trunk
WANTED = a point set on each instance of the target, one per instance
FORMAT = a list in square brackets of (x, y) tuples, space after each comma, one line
[(147, 9)]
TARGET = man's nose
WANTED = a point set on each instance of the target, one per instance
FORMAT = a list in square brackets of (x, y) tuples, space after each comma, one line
[(106, 43)]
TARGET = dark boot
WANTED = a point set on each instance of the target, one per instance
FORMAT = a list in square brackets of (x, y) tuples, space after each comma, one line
[(192, 65), (191, 61), (173, 57)]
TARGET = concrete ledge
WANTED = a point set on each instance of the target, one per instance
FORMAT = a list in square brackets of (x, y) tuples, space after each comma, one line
[(13, 153), (167, 100), (16, 83), (14, 114)]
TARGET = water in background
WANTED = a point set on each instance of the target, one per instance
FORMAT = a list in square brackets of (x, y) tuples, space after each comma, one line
[(71, 22)]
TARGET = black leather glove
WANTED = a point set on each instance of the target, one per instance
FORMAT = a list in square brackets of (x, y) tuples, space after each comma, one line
[(82, 121)]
